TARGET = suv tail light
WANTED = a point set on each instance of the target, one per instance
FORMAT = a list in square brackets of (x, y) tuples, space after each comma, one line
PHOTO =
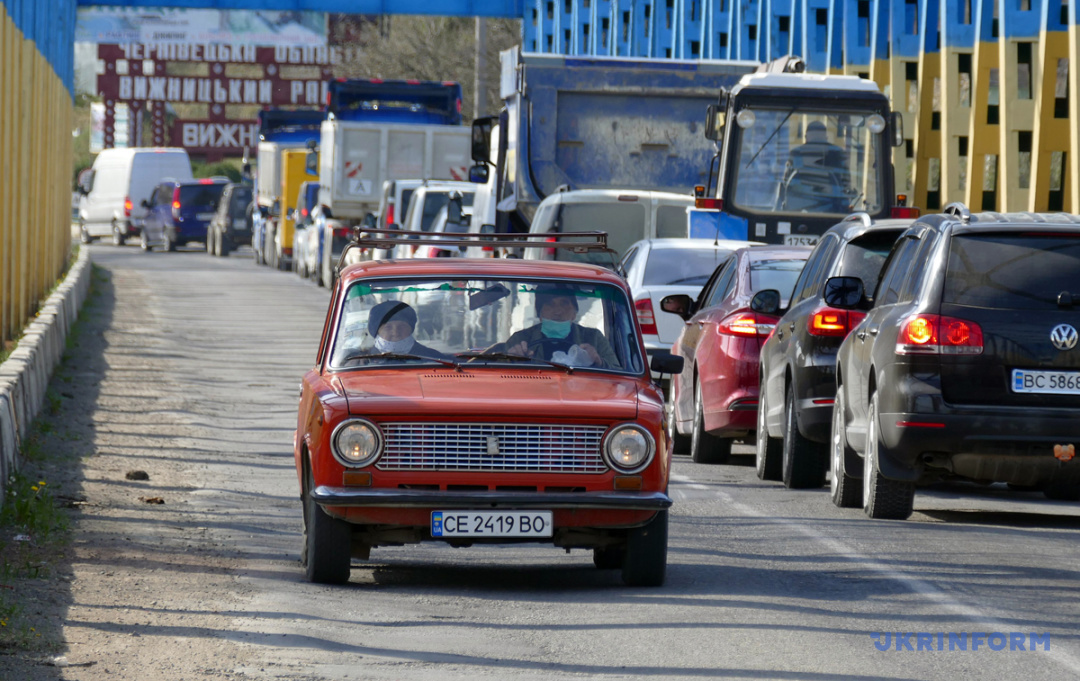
[(931, 334), (176, 203), (830, 321), (127, 206), (390, 215), (645, 317), (746, 324)]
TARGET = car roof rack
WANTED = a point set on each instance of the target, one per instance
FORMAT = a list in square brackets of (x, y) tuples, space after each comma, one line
[(370, 237), (958, 210)]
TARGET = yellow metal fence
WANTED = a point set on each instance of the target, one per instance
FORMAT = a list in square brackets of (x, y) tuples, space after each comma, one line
[(35, 177)]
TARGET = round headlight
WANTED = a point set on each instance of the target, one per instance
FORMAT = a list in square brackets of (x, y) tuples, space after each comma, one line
[(745, 118), (875, 123), (357, 443), (628, 448)]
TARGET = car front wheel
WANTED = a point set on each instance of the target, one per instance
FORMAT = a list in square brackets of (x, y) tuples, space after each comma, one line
[(645, 563), (768, 451), (327, 551), (845, 490), (706, 448), (882, 498)]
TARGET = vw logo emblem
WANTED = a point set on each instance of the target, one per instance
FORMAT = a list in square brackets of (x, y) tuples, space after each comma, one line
[(1064, 337)]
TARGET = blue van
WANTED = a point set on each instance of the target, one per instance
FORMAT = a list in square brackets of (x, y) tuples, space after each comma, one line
[(179, 212)]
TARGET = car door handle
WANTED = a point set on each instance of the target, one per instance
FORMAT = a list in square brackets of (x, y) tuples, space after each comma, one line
[(701, 323), (861, 335), (791, 327), (872, 330), (779, 334)]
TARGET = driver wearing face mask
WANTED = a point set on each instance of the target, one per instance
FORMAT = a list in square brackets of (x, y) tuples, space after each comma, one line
[(391, 323), (558, 337)]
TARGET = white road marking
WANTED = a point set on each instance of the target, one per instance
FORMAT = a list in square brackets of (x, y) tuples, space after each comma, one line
[(914, 584)]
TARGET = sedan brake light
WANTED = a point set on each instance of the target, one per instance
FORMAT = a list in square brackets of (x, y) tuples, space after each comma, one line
[(390, 214), (127, 206), (931, 334), (645, 317), (176, 202), (831, 321), (746, 324)]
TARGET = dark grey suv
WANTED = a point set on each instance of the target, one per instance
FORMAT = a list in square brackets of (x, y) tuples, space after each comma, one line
[(967, 364), (798, 379)]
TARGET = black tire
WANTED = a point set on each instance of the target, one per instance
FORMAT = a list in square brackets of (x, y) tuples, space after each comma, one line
[(846, 491), (805, 461), (327, 552), (1061, 490), (209, 243), (680, 444), (1024, 488), (609, 557), (118, 237), (224, 245), (170, 245), (706, 448), (768, 451), (882, 498), (645, 563)]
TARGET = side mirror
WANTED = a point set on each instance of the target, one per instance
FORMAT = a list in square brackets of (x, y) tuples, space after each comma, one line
[(478, 174), (679, 304), (714, 122), (145, 203), (481, 139), (667, 363), (86, 181), (766, 302), (845, 293), (311, 163), (897, 129)]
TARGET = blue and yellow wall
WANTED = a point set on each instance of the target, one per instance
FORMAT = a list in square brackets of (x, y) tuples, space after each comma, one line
[(36, 86), (988, 88)]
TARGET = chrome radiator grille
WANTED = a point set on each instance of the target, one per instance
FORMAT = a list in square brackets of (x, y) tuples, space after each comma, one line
[(530, 448)]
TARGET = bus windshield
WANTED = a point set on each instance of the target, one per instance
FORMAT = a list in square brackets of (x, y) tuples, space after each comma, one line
[(786, 160)]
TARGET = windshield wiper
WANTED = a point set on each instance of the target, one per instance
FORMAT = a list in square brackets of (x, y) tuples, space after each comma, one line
[(769, 138), (400, 355), (513, 358)]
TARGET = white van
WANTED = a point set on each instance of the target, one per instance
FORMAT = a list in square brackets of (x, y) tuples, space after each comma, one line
[(115, 188), (627, 215)]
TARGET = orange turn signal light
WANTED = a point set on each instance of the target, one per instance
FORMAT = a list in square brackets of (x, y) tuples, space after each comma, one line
[(356, 478), (1064, 452), (625, 482)]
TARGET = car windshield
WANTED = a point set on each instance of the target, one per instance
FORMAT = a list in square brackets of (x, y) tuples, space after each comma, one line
[(1012, 271), (435, 201), (200, 195), (779, 275), (681, 266), (813, 161), (479, 322)]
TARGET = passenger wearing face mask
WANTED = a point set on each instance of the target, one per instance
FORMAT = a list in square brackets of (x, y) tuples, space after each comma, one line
[(558, 337), (391, 323)]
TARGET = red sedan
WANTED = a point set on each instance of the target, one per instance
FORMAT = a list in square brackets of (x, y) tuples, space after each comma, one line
[(715, 399)]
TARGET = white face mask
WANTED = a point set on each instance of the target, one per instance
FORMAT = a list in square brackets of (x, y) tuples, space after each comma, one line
[(402, 346)]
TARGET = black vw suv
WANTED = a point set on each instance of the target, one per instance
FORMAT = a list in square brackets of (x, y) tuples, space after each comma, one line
[(967, 363)]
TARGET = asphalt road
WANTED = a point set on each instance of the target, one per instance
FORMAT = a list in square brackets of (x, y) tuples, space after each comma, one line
[(763, 582)]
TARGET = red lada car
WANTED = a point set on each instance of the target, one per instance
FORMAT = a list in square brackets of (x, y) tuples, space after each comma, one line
[(483, 401)]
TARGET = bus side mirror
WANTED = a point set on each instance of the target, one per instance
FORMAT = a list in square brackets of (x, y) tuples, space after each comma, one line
[(898, 129), (714, 122), (478, 174), (311, 163)]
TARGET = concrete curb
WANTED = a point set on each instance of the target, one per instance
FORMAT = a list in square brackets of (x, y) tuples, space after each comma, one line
[(25, 375)]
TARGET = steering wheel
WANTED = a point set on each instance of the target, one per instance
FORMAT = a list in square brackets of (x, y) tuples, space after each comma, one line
[(813, 189), (550, 346)]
